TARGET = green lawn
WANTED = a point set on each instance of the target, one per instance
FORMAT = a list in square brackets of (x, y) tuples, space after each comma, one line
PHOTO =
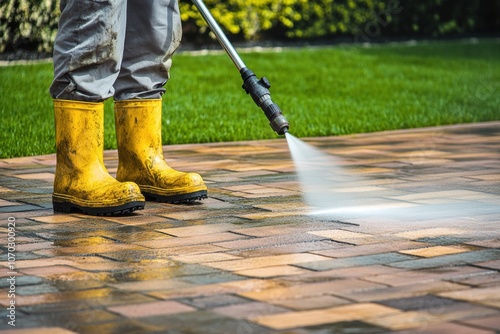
[(322, 91)]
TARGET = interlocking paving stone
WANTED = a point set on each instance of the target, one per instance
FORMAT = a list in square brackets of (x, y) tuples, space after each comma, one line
[(281, 239), (19, 208), (267, 261), (347, 327), (150, 285), (210, 289), (311, 303), (22, 281), (150, 309), (310, 290), (217, 277), (455, 259), (426, 302), (447, 328), (474, 294), (426, 317), (249, 310), (48, 271), (355, 261), (375, 248), (364, 272), (491, 243), (195, 240), (274, 271), (252, 259), (201, 322), (445, 240), (214, 301), (8, 203), (36, 289), (122, 325), (287, 248), (40, 330), (488, 322), (495, 264), (453, 274), (203, 258), (490, 278), (70, 320), (410, 290), (431, 232), (436, 251), (324, 316)]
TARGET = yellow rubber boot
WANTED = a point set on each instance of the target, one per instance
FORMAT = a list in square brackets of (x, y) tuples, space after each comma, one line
[(141, 160), (82, 183)]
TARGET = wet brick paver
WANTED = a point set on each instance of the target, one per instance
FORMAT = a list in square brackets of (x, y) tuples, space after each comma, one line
[(251, 259)]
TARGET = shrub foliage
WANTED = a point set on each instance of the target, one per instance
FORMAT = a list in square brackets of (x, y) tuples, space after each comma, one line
[(33, 23), (29, 24)]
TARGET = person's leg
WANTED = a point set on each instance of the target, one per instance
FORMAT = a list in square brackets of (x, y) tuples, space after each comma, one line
[(153, 34), (88, 49), (86, 62)]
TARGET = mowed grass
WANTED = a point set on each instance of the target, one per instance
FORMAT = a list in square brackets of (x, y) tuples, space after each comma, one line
[(322, 91)]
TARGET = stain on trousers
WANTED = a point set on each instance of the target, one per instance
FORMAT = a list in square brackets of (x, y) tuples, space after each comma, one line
[(114, 48)]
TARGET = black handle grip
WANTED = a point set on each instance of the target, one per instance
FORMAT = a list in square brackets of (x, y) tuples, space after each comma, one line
[(259, 91)]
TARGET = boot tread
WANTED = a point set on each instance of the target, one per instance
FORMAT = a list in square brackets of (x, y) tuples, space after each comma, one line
[(121, 210), (176, 199)]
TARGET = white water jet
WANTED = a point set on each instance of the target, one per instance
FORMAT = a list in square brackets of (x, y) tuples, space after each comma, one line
[(335, 193)]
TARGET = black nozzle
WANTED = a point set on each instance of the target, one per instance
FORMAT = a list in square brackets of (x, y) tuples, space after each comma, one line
[(259, 91)]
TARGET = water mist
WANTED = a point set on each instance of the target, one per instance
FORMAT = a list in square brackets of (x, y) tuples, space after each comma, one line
[(335, 192)]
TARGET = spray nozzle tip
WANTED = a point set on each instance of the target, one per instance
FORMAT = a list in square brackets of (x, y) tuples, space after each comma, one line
[(282, 131)]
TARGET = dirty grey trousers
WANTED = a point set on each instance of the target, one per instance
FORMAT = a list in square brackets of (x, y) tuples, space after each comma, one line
[(114, 48)]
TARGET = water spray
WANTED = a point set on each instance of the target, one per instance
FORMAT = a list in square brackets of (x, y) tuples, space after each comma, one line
[(257, 88)]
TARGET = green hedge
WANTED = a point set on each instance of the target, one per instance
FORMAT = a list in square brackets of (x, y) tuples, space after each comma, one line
[(253, 19), (445, 17), (28, 24), (32, 24)]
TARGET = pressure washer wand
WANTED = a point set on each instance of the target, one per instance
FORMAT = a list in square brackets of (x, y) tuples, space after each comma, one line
[(257, 88)]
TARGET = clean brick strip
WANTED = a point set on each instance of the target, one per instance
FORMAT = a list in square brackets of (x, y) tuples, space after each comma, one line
[(325, 316), (266, 261), (310, 290), (151, 309)]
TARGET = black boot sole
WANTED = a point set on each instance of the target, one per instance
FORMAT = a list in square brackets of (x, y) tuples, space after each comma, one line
[(177, 199), (121, 210)]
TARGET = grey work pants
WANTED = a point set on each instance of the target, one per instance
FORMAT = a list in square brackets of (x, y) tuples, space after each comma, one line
[(114, 48)]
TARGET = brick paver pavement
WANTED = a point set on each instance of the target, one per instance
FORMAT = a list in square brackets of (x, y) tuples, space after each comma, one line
[(252, 258)]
